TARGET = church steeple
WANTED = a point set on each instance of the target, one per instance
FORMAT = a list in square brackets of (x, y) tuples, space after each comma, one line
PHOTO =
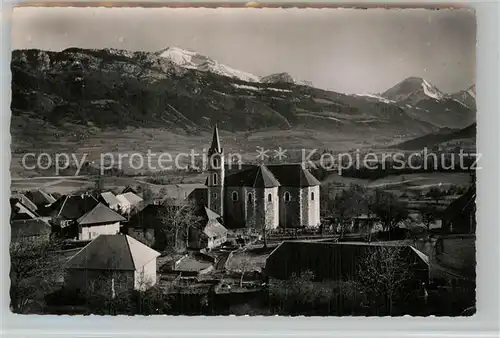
[(216, 177), (215, 147)]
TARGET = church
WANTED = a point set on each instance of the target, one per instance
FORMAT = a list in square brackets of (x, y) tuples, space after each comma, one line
[(270, 196)]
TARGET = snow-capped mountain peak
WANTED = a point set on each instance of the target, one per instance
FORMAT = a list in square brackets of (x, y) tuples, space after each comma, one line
[(413, 89), (181, 57), (193, 60), (431, 91)]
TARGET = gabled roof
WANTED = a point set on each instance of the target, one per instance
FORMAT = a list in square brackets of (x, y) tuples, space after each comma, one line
[(100, 214), (293, 175), (74, 207), (112, 252), (211, 215), (29, 227), (40, 197), (128, 188), (255, 177), (110, 198), (25, 201), (129, 197), (21, 211), (334, 260), (212, 226)]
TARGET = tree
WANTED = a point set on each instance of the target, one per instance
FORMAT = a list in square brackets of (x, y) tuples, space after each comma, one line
[(435, 193), (385, 271), (350, 203), (244, 265), (429, 214), (34, 269), (388, 209), (147, 194), (178, 217)]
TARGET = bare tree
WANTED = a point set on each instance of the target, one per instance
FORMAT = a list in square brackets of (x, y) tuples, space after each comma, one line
[(244, 265), (385, 271), (178, 217), (429, 214)]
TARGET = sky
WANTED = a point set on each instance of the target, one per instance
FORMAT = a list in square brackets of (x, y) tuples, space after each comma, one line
[(345, 50)]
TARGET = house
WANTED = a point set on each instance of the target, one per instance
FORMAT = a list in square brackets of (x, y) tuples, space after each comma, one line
[(285, 195), (188, 266), (210, 234), (40, 198), (110, 200), (336, 261), (128, 201), (20, 211), (460, 216), (112, 264), (101, 220), (67, 210), (29, 230), (128, 188), (25, 201)]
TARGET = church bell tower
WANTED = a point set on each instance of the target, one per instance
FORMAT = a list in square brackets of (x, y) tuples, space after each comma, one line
[(215, 180)]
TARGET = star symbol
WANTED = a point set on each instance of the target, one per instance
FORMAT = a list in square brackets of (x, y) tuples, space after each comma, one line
[(262, 153), (280, 154)]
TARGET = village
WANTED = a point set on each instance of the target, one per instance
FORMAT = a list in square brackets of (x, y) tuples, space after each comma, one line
[(250, 241)]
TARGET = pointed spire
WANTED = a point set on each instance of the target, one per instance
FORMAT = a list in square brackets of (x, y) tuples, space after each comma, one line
[(215, 147)]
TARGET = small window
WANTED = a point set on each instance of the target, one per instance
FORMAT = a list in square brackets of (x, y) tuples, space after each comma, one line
[(287, 196), (235, 196), (215, 178), (215, 161), (269, 198), (249, 197), (312, 196), (214, 195)]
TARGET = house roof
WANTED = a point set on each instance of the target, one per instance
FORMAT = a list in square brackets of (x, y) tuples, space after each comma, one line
[(112, 252), (333, 260), (212, 228), (128, 188), (293, 175), (100, 214), (464, 204), (40, 197), (29, 227), (110, 198), (129, 197), (25, 201), (211, 215), (18, 210), (256, 177), (268, 176), (74, 207)]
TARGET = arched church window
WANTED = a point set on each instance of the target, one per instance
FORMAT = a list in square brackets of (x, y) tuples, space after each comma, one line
[(249, 197), (215, 161), (287, 197), (235, 196), (312, 196), (215, 178), (269, 197)]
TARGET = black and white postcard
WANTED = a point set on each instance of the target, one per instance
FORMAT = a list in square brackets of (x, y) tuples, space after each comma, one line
[(243, 161)]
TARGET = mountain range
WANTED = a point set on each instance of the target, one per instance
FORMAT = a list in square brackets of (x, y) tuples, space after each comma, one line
[(186, 91)]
